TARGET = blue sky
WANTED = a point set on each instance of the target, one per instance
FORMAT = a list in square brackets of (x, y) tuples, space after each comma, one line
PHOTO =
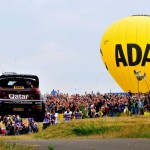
[(58, 40)]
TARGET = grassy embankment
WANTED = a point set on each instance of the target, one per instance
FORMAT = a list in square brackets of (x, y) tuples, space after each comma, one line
[(117, 127)]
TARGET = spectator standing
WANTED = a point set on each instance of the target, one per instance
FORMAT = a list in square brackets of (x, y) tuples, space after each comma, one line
[(52, 117), (78, 114), (68, 115), (46, 121)]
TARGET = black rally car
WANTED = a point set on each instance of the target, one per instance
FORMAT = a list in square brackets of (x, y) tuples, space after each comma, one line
[(20, 95)]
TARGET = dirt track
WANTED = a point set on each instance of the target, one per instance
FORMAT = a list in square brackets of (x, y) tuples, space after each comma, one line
[(89, 144)]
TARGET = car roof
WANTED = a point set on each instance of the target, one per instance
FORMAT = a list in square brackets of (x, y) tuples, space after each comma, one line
[(15, 75)]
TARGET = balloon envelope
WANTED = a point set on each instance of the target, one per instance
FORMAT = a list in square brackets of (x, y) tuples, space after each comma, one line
[(125, 50)]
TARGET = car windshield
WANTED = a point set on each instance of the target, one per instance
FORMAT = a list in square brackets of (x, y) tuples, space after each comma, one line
[(18, 83)]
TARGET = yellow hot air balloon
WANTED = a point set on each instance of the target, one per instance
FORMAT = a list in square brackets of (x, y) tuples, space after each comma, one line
[(125, 50)]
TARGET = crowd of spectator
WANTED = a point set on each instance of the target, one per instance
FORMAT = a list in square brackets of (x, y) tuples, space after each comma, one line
[(80, 106), (98, 105), (15, 126)]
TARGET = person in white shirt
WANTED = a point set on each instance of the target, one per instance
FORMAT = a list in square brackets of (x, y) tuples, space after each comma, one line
[(68, 115)]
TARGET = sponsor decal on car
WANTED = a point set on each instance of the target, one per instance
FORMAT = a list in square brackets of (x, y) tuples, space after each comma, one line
[(18, 96), (18, 102)]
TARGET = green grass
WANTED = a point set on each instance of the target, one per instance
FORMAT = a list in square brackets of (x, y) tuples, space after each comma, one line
[(9, 146), (94, 130), (116, 127), (51, 147)]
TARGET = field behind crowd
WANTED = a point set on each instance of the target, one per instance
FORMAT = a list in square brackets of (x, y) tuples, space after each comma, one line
[(116, 127)]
